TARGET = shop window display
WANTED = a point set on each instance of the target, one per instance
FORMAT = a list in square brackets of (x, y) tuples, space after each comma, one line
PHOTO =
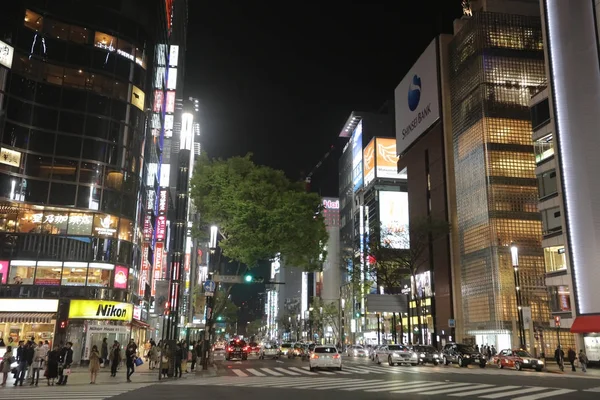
[(48, 273), (74, 274), (100, 274), (21, 272)]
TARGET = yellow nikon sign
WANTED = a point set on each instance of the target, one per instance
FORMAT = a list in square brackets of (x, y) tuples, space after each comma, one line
[(98, 309)]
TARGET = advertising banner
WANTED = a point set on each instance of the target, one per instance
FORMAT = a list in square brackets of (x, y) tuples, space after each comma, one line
[(99, 309), (161, 227), (157, 267), (6, 54), (357, 157), (161, 298), (369, 162), (121, 276), (144, 271), (393, 215), (417, 100), (386, 161)]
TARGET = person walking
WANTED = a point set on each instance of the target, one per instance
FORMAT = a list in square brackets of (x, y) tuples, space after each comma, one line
[(24, 363), (104, 352), (130, 356), (194, 356), (164, 360), (39, 357), (7, 360), (115, 358), (152, 357), (65, 360), (583, 360), (18, 357), (178, 360), (94, 364), (559, 356), (52, 365), (572, 356)]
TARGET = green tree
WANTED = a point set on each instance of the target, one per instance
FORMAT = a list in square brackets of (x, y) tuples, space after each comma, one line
[(253, 327), (325, 314), (259, 212)]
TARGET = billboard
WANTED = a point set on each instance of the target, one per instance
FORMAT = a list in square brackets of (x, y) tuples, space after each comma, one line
[(393, 216), (417, 99), (6, 54), (357, 154), (369, 162), (386, 160)]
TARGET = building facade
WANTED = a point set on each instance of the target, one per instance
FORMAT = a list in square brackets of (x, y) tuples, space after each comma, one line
[(496, 63), (73, 119)]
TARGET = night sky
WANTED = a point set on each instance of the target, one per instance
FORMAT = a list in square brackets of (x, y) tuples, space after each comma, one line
[(279, 79)]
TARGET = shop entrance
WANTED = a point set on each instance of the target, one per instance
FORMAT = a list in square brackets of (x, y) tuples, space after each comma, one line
[(96, 333)]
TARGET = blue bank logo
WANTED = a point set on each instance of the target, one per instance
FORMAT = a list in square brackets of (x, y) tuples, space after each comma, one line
[(414, 93)]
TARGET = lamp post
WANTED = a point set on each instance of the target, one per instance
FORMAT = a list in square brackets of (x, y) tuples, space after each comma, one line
[(214, 232), (514, 251)]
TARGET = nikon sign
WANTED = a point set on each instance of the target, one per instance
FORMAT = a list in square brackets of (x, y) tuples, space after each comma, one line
[(101, 310)]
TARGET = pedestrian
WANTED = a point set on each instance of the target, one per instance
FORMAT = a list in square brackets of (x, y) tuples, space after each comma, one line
[(194, 356), (164, 361), (94, 364), (104, 352), (52, 365), (18, 357), (559, 356), (477, 348), (65, 360), (184, 356), (25, 361), (2, 342), (583, 360), (130, 356), (572, 356), (489, 353), (198, 350), (115, 358), (7, 360), (493, 350), (39, 357), (178, 360)]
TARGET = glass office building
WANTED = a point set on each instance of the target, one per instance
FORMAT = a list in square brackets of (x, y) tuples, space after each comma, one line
[(496, 65)]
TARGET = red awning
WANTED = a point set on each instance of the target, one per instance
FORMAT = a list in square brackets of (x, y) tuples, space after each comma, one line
[(586, 324)]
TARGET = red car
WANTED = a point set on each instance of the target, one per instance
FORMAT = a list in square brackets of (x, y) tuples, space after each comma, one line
[(236, 349), (518, 359), (253, 349)]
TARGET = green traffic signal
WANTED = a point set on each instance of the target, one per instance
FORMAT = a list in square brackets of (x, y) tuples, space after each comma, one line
[(219, 318), (248, 278), (357, 315)]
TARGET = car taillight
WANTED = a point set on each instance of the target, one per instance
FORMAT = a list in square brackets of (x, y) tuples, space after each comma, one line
[(336, 356), (246, 348), (230, 349), (313, 356)]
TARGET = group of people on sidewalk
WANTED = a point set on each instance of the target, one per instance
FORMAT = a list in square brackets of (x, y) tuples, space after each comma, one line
[(31, 358), (113, 357), (559, 356), (161, 356)]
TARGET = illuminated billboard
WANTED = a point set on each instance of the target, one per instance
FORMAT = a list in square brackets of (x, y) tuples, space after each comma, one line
[(393, 216), (386, 160), (357, 154), (369, 162), (6, 54)]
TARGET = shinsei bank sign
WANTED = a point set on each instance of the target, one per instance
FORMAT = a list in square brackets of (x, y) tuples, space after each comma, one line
[(417, 99)]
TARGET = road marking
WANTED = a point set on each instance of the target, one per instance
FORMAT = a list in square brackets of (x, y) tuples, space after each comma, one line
[(271, 372), (544, 395), (408, 385), (513, 393), (363, 386), (454, 388), (255, 372), (419, 388), (302, 371), (476, 392), (239, 372), (596, 389), (362, 371), (285, 371)]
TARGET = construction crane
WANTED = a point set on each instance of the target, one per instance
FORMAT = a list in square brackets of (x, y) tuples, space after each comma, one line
[(308, 178)]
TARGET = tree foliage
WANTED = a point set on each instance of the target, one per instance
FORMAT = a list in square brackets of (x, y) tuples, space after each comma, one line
[(259, 212), (324, 314), (253, 327)]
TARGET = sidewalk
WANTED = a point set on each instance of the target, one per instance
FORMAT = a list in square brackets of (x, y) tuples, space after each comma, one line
[(552, 367)]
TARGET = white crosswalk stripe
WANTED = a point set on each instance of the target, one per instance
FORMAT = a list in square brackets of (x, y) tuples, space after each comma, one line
[(74, 392), (420, 387)]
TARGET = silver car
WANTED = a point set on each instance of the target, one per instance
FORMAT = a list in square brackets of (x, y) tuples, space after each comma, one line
[(356, 351), (396, 354)]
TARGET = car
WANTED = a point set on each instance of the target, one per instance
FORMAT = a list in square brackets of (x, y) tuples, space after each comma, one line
[(427, 354), (269, 350), (396, 354), (518, 359), (219, 350), (297, 351), (462, 354), (373, 352), (253, 349), (236, 349), (325, 357), (285, 347), (356, 351)]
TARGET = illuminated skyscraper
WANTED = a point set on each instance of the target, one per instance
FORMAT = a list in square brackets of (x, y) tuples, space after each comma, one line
[(496, 65)]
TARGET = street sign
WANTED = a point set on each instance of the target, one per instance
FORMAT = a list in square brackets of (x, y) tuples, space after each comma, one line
[(526, 316), (451, 323), (228, 278), (209, 288), (557, 321)]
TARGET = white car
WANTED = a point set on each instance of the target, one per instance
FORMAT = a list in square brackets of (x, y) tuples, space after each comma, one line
[(396, 354), (325, 357), (356, 351)]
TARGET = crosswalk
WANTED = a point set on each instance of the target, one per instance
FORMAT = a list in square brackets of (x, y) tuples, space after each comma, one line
[(416, 387), (73, 392), (358, 369)]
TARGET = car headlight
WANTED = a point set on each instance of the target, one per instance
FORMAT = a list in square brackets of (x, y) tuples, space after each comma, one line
[(436, 356), (413, 355), (422, 354), (540, 362), (467, 356), (526, 361)]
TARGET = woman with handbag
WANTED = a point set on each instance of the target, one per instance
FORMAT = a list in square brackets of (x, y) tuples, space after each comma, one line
[(7, 359), (52, 365), (130, 357)]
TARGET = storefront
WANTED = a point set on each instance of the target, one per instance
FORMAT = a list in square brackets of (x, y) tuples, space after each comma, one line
[(23, 319), (90, 321)]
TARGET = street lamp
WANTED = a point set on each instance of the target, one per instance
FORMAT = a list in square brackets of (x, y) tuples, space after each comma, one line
[(214, 231), (514, 252), (212, 245)]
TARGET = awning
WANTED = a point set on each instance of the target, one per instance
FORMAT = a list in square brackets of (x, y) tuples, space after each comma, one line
[(586, 324), (27, 318), (139, 324)]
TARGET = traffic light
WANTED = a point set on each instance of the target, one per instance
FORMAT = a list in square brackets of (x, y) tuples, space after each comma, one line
[(249, 278), (219, 318), (357, 314)]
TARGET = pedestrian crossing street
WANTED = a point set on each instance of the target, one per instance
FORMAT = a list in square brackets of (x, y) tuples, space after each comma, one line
[(419, 387), (73, 392), (366, 369)]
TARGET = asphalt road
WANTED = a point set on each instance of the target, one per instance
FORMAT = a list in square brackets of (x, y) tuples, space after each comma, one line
[(363, 379)]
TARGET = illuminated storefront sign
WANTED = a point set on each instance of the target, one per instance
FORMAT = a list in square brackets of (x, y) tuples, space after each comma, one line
[(161, 227), (157, 268), (138, 97), (10, 157), (144, 270), (163, 201), (173, 56), (158, 101), (148, 227), (137, 312), (105, 225), (172, 79), (169, 122), (170, 107), (121, 276), (6, 54), (330, 204), (28, 305), (3, 271), (103, 310)]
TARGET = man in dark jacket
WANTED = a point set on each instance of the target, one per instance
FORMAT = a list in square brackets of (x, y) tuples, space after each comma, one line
[(65, 360), (25, 361), (572, 356), (559, 356)]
